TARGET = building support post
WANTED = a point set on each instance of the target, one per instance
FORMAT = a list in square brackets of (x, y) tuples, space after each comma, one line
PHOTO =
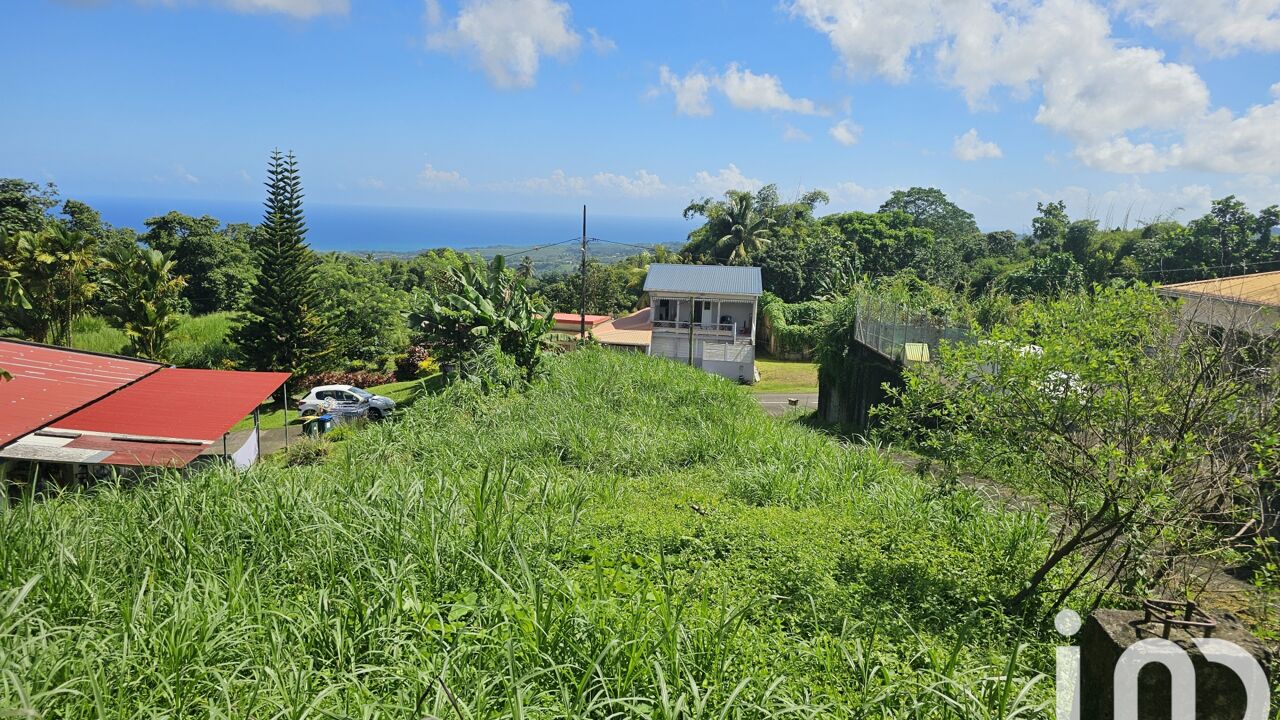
[(286, 415), (691, 301), (257, 432)]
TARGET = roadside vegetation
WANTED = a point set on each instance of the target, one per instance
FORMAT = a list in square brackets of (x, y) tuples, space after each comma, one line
[(629, 536)]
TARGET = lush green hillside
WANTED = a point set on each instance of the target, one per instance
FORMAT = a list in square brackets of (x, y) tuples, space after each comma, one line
[(632, 537)]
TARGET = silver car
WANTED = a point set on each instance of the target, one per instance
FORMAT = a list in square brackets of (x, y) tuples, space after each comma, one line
[(346, 400)]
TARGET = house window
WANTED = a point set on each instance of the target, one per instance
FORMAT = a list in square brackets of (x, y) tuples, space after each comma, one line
[(664, 309)]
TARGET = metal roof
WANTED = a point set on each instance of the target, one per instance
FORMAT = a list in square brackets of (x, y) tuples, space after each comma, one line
[(49, 382), (177, 404), (709, 279), (1256, 289)]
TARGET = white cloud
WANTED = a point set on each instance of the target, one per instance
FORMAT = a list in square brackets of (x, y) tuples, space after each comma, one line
[(642, 184), (730, 178), (970, 147), (182, 175), (601, 44), (508, 37), (795, 134), (1222, 142), (851, 195), (244, 175), (437, 179), (1121, 155), (558, 183), (690, 91), (1127, 205), (1127, 108), (846, 132), (749, 91), (743, 89), (303, 9), (1223, 27), (371, 183), (873, 37)]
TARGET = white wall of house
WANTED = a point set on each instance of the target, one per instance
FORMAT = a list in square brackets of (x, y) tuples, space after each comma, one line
[(723, 332)]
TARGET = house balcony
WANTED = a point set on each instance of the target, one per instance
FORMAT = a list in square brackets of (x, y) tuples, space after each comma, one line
[(721, 332)]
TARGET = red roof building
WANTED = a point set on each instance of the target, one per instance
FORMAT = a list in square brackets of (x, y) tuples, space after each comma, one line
[(81, 408)]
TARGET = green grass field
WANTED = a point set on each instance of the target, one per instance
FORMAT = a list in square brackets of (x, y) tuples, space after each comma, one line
[(784, 376), (630, 538)]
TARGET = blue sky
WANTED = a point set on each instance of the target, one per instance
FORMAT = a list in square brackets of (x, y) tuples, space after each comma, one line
[(1137, 107)]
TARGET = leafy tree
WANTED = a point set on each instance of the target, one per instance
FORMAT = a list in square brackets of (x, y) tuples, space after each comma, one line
[(886, 242), (931, 209), (25, 205), (1050, 226), (364, 313), (1145, 437), (51, 269), (1049, 276), (611, 289), (143, 296), (1231, 229), (285, 328), (1002, 242), (219, 264), (491, 310), (80, 217)]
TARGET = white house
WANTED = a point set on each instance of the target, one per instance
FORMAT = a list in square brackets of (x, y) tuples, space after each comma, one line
[(705, 315)]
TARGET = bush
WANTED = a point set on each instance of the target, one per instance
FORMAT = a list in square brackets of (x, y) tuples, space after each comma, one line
[(307, 453), (358, 378), (416, 363)]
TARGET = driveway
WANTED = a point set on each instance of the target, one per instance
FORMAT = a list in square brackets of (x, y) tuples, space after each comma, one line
[(779, 403)]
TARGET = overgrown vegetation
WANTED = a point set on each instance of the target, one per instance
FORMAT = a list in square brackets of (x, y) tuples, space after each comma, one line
[(1152, 440), (630, 537)]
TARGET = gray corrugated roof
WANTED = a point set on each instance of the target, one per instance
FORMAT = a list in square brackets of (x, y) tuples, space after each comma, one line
[(711, 279)]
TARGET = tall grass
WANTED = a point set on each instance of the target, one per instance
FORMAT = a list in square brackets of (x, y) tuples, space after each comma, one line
[(201, 341), (631, 538)]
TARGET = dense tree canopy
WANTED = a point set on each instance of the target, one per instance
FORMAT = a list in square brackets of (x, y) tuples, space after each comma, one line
[(218, 262)]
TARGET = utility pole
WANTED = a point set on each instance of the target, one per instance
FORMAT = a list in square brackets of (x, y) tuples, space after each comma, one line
[(582, 308)]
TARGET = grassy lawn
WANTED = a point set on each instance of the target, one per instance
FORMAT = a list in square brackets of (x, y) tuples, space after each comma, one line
[(783, 376), (627, 538), (404, 393)]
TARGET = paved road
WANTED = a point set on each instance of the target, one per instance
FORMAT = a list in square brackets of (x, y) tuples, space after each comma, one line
[(779, 403)]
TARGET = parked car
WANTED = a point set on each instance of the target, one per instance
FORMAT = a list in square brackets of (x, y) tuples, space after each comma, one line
[(346, 400)]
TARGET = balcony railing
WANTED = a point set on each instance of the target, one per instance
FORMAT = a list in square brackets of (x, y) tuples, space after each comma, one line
[(726, 331), (698, 326)]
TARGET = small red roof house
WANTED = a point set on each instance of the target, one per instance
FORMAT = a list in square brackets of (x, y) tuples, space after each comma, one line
[(76, 408), (572, 322)]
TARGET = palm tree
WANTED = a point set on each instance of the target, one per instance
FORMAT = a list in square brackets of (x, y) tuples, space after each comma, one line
[(748, 229), (143, 297)]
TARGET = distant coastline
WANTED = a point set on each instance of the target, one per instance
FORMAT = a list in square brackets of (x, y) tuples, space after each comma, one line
[(408, 231)]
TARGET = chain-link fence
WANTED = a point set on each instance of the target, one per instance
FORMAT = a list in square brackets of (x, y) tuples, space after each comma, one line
[(887, 327)]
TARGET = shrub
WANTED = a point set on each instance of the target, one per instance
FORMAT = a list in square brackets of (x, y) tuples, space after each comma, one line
[(307, 453), (416, 363), (358, 378)]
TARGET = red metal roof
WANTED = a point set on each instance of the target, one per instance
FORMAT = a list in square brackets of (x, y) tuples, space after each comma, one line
[(176, 403), (576, 319), (50, 382)]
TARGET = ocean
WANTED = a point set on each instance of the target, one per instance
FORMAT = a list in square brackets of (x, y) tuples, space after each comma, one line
[(395, 229)]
